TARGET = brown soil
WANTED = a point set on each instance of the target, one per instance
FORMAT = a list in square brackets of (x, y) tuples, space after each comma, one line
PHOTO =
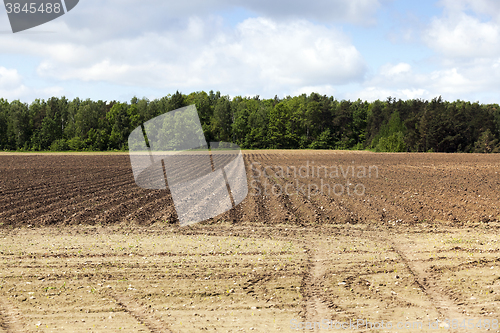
[(84, 249)]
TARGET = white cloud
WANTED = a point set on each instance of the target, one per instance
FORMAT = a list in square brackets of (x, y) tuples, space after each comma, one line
[(459, 35), (327, 90), (285, 49), (466, 39), (399, 81), (390, 70), (9, 78), (472, 82), (490, 8), (12, 87), (400, 75), (13, 94), (190, 45), (298, 53), (353, 11), (259, 56), (130, 18), (374, 93)]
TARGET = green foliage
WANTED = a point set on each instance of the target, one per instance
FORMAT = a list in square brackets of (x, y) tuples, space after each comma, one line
[(305, 122), (393, 143), (120, 117), (276, 134), (487, 143), (391, 135), (222, 120), (59, 145), (76, 143), (324, 141)]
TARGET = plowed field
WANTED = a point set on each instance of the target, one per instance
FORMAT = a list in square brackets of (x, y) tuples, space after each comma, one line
[(345, 237)]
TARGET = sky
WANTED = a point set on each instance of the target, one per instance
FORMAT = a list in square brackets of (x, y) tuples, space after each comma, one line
[(368, 49)]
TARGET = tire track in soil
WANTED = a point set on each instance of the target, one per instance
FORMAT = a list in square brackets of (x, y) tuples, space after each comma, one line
[(442, 303), (10, 318), (140, 313), (316, 307)]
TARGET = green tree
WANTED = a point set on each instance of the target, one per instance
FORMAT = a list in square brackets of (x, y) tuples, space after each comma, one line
[(258, 121), (392, 143), (119, 118), (19, 125), (4, 126), (176, 101), (276, 134), (324, 141), (487, 143), (222, 120)]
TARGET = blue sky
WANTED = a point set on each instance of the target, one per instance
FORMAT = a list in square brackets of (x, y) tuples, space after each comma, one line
[(349, 49)]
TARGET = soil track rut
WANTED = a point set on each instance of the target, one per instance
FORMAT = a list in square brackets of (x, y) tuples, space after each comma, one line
[(317, 307), (10, 318), (139, 312), (443, 304)]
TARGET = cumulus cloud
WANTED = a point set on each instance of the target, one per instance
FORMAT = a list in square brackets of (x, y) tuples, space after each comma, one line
[(130, 17), (468, 29), (12, 87), (353, 11), (374, 93), (395, 80), (399, 75), (327, 90), (298, 53), (259, 55), (402, 81), (490, 8), (9, 78), (283, 47), (395, 70), (460, 35), (466, 40), (280, 47)]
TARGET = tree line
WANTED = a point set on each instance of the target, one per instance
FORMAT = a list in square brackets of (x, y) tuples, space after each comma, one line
[(301, 122)]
